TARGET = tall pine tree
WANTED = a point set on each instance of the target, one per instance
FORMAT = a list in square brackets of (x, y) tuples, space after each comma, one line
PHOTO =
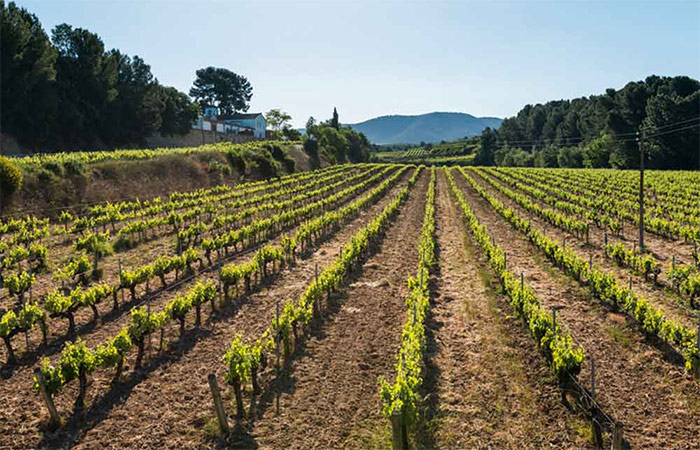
[(335, 123)]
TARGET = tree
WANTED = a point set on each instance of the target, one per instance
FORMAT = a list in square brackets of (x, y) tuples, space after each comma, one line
[(334, 143), (221, 88), (69, 93), (677, 150), (487, 150), (570, 157), (358, 145), (27, 74), (136, 112), (85, 83), (335, 122), (291, 134), (597, 153), (651, 103), (179, 112), (277, 119), (311, 128), (547, 157)]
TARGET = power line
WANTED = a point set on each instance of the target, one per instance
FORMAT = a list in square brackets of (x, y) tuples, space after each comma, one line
[(677, 123), (673, 131), (616, 138)]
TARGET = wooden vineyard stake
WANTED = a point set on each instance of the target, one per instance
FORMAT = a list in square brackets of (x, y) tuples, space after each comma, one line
[(697, 367), (630, 288), (120, 272), (221, 287), (26, 333), (592, 378), (148, 310), (597, 432), (317, 301), (218, 405), (397, 437), (160, 342), (555, 308), (595, 425), (590, 262), (617, 437), (277, 354), (48, 400)]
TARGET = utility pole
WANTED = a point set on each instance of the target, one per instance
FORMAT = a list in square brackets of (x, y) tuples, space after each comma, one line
[(641, 191)]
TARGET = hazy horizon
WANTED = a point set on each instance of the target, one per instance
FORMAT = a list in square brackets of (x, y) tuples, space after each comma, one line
[(480, 58)]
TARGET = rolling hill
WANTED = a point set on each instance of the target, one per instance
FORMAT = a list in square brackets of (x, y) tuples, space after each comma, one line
[(431, 127)]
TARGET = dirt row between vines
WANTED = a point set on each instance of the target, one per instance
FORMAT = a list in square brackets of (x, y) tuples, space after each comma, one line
[(672, 305), (114, 410), (487, 385), (331, 397), (656, 400)]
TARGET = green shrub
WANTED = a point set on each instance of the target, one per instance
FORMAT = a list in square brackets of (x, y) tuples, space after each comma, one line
[(236, 160), (73, 167), (218, 167), (277, 151), (267, 166), (53, 167), (10, 177), (289, 164)]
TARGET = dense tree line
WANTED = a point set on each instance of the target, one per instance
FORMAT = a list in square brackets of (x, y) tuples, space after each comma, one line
[(68, 92), (339, 144), (600, 130)]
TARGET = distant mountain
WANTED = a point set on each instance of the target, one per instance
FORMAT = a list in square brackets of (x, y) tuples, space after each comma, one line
[(431, 127)]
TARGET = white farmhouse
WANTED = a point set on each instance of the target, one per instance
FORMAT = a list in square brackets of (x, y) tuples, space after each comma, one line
[(252, 124)]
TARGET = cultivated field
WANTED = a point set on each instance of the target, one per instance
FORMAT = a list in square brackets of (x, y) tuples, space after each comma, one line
[(356, 305)]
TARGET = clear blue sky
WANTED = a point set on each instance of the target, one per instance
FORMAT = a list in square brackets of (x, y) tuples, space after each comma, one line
[(487, 58)]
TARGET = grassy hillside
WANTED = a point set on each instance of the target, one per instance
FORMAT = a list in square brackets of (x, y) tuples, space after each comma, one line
[(53, 181)]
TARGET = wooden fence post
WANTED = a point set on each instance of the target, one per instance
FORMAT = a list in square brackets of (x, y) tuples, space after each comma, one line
[(218, 405), (55, 419)]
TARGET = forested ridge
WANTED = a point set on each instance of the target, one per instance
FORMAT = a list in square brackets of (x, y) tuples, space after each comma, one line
[(601, 130)]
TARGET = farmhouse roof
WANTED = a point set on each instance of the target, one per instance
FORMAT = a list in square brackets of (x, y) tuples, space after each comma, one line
[(240, 116)]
